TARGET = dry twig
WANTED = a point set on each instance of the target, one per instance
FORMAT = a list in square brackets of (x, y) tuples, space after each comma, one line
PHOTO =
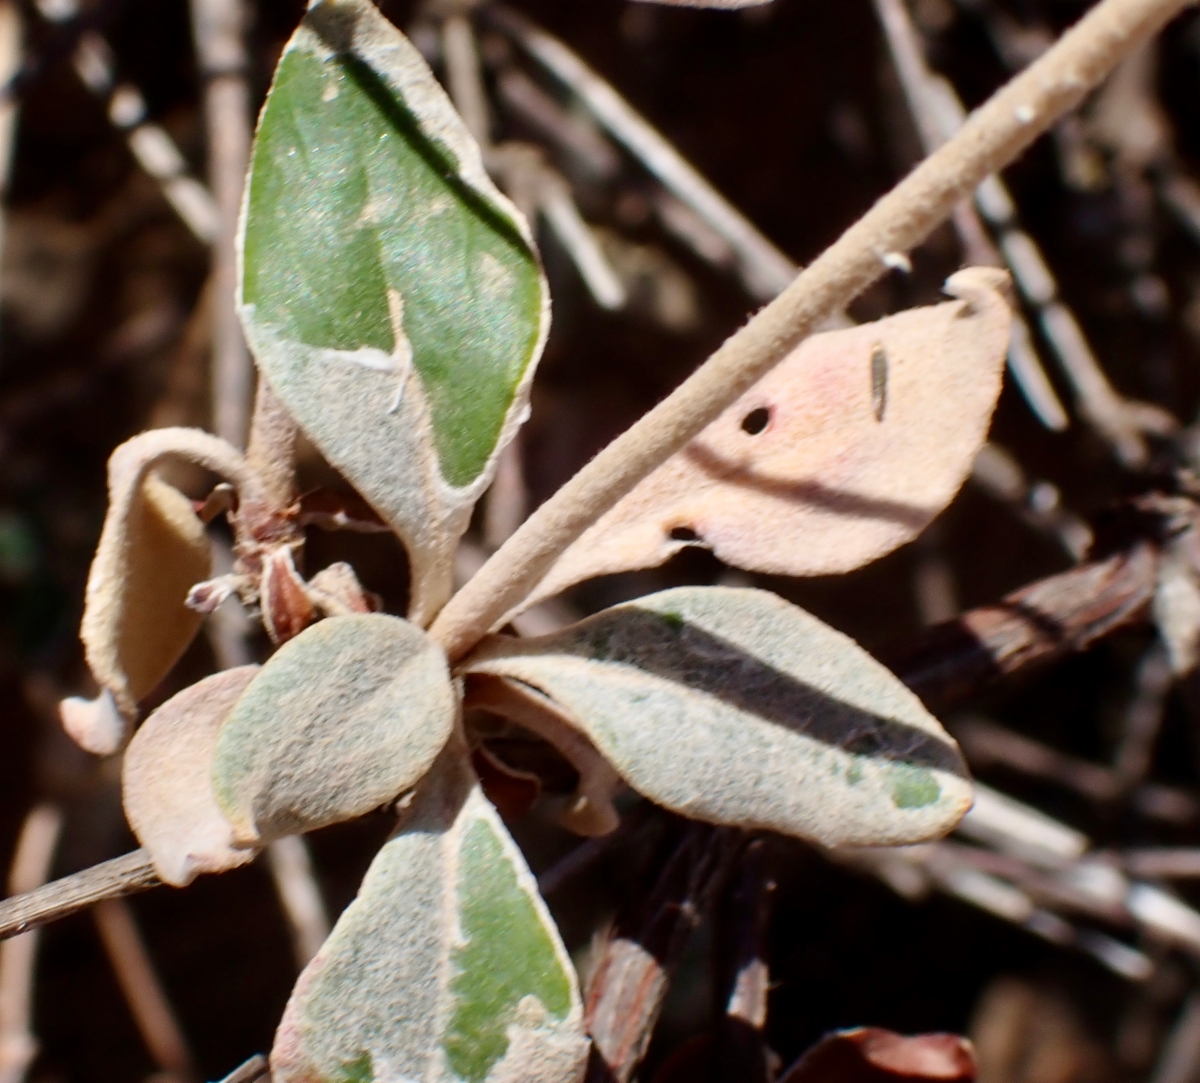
[(144, 993), (18, 957), (921, 91), (627, 986), (123, 875), (939, 114), (217, 30), (765, 270)]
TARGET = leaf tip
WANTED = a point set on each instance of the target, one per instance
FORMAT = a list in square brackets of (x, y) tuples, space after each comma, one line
[(96, 725)]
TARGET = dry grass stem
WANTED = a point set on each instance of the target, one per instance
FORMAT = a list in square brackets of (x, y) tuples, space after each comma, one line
[(465, 78), (923, 91), (765, 270), (217, 30), (143, 991), (18, 957), (291, 870), (150, 144)]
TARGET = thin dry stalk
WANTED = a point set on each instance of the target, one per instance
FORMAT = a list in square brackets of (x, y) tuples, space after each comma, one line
[(628, 985), (1123, 423), (575, 235), (1144, 717), (992, 137), (1038, 503), (10, 63), (123, 875), (18, 957), (143, 991), (741, 1040), (764, 269), (149, 143), (464, 77), (1036, 625), (292, 871), (1162, 863), (536, 188), (935, 589), (217, 30), (921, 88), (1180, 1058), (573, 134)]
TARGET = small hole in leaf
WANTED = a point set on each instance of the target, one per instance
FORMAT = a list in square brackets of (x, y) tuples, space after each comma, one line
[(756, 420), (684, 534)]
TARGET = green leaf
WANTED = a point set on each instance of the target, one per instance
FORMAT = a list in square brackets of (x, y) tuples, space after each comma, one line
[(166, 781), (342, 719), (390, 293), (446, 966), (734, 707)]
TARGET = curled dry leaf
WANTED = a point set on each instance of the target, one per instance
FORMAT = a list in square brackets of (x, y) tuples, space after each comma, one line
[(446, 966), (845, 450), (874, 1055), (166, 781), (336, 591), (389, 291), (95, 725), (591, 810), (287, 608), (342, 719), (152, 550), (734, 707), (512, 792)]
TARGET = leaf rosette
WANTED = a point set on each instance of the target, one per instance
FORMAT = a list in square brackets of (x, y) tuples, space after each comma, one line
[(395, 305)]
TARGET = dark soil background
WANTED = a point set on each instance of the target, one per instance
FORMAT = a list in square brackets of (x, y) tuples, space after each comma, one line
[(792, 111)]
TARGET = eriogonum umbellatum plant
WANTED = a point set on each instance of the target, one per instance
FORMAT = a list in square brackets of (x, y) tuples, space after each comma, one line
[(396, 308)]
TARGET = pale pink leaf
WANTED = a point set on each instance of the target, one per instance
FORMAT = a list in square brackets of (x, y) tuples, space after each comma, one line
[(167, 781), (846, 450)]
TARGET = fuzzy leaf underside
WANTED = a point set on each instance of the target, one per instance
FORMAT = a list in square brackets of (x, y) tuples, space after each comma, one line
[(342, 719), (446, 967), (152, 550), (735, 707), (390, 293)]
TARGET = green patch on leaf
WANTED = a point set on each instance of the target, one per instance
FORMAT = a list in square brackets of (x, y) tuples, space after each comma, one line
[(732, 706), (359, 1071), (508, 955), (914, 787), (672, 619), (359, 233)]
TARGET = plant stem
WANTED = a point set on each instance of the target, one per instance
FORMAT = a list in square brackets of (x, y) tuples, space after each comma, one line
[(272, 451), (217, 29), (992, 137), (109, 880)]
